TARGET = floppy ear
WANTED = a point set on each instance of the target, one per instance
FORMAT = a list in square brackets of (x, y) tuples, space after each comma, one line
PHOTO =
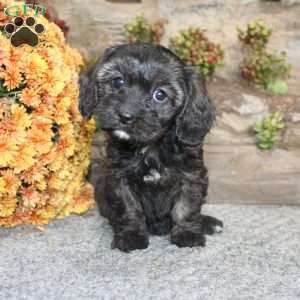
[(198, 114), (88, 86), (88, 93)]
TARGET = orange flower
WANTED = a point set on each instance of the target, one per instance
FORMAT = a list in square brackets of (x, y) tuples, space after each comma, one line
[(67, 146), (15, 56), (56, 183), (25, 157), (54, 82), (43, 124), (4, 50), (42, 111), (3, 18), (10, 182), (30, 196), (36, 219), (19, 116), (40, 140), (34, 66), (12, 78), (8, 150), (30, 97), (35, 174), (47, 213)]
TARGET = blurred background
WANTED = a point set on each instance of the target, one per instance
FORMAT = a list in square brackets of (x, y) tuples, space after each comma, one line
[(249, 52)]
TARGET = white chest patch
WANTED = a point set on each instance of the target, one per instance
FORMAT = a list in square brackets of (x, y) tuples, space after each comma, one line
[(122, 135), (153, 176)]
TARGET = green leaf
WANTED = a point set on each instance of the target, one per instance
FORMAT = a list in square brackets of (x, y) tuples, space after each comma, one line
[(266, 146), (277, 87)]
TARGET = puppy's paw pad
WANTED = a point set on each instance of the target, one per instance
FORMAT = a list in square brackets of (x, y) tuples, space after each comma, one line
[(130, 240), (212, 225), (24, 31), (188, 239)]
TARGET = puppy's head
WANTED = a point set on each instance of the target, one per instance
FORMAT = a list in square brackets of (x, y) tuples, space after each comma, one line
[(138, 92)]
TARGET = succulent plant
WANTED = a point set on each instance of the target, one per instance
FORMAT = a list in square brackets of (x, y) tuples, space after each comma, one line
[(141, 30), (194, 48), (256, 35), (267, 130), (260, 66)]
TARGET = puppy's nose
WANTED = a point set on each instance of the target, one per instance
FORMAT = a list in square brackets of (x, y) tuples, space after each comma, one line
[(126, 118)]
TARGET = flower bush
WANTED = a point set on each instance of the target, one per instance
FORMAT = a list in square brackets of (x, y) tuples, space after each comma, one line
[(140, 30), (194, 48), (259, 66), (44, 142)]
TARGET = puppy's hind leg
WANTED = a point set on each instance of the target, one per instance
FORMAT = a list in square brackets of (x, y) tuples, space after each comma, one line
[(211, 225), (187, 230), (190, 225), (126, 216)]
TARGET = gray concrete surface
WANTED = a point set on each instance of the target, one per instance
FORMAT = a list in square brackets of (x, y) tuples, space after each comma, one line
[(256, 257)]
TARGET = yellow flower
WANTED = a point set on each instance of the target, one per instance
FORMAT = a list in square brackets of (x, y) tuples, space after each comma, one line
[(7, 206), (40, 137), (9, 183), (83, 201), (20, 117), (8, 150), (3, 188), (54, 82), (36, 174), (48, 212), (55, 182), (64, 103), (4, 50), (34, 66), (25, 158)]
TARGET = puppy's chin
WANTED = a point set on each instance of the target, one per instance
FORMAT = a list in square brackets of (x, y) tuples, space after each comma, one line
[(121, 135)]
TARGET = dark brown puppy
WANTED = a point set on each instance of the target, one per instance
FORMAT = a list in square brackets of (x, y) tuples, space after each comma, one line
[(157, 114)]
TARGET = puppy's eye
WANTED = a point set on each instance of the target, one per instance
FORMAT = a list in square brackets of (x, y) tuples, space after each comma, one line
[(118, 82), (159, 95)]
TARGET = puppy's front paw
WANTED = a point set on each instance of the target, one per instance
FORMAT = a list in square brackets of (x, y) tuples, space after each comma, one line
[(130, 240), (188, 239)]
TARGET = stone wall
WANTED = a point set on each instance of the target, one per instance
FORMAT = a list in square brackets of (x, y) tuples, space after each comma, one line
[(96, 24), (239, 170)]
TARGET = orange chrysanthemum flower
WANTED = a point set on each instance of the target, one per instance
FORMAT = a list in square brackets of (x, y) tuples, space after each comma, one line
[(7, 206), (12, 78), (10, 183), (30, 97), (25, 157), (8, 150)]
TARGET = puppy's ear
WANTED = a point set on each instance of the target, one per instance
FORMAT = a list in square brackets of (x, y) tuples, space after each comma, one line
[(198, 114), (88, 85), (88, 92)]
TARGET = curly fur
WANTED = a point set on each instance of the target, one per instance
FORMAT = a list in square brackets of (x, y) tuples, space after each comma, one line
[(155, 181)]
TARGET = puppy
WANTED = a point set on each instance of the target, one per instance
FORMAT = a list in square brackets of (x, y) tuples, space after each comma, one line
[(156, 112)]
